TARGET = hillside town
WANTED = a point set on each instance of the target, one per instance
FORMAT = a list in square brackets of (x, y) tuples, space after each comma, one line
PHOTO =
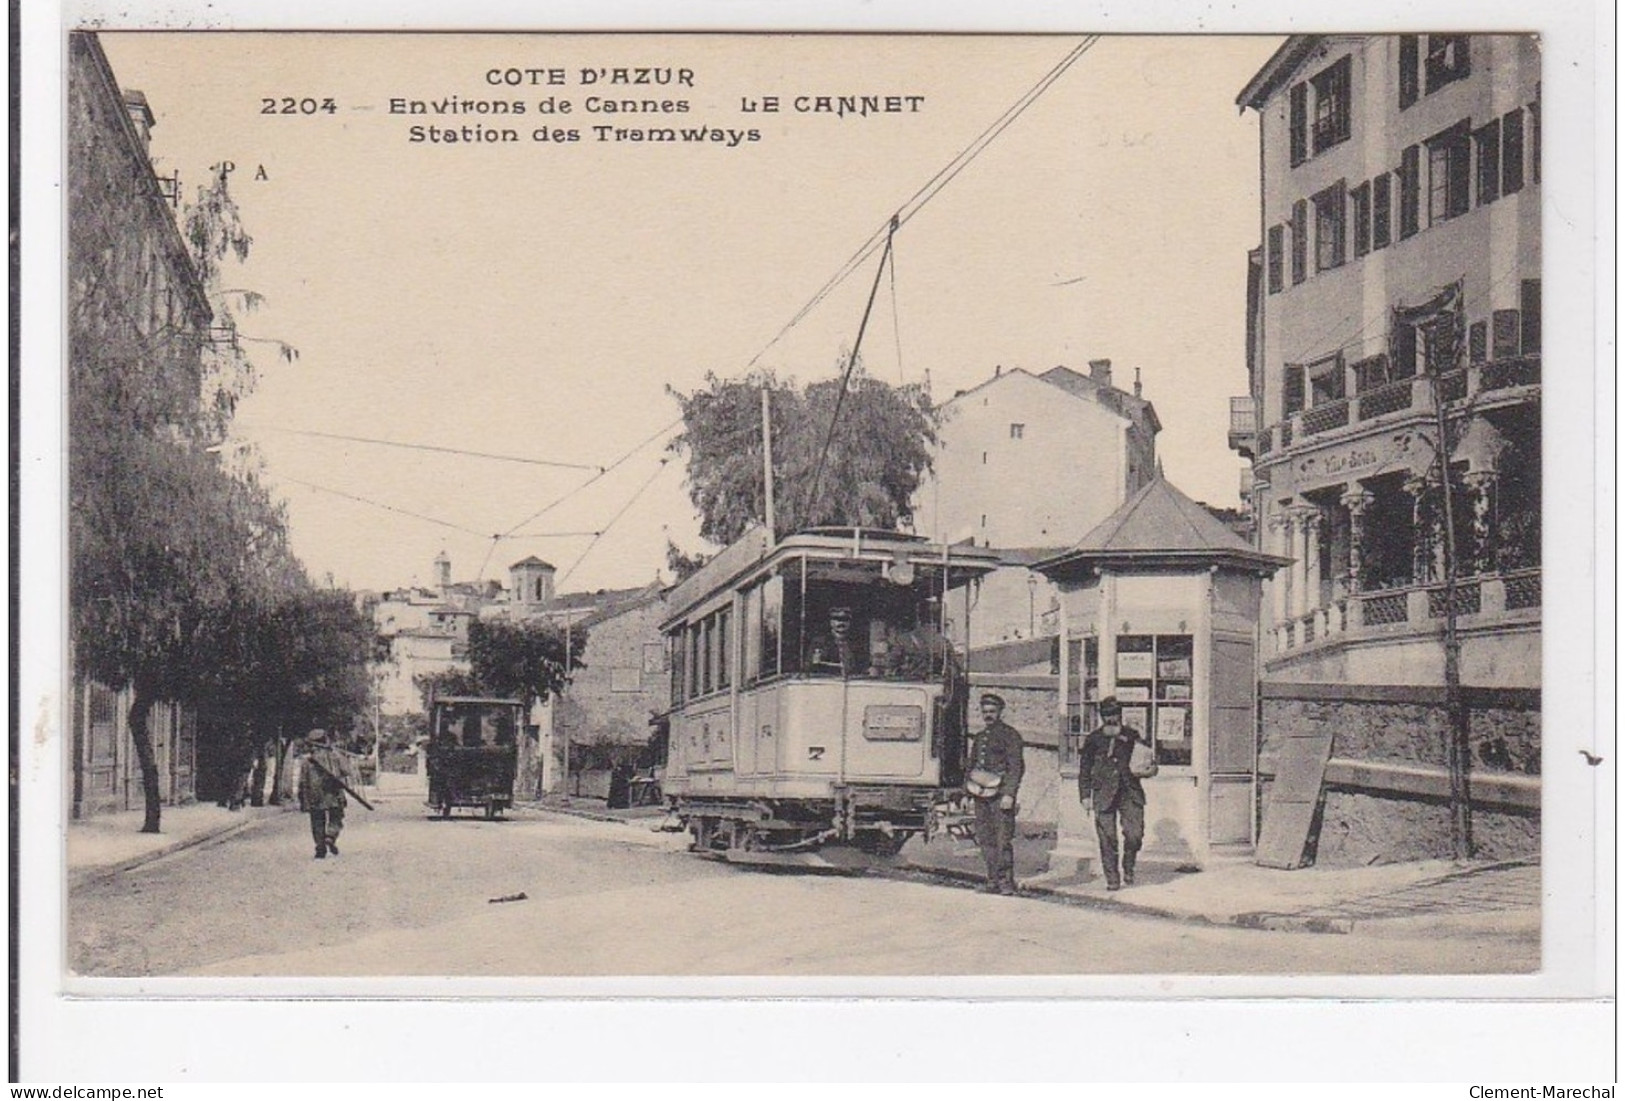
[(1335, 673)]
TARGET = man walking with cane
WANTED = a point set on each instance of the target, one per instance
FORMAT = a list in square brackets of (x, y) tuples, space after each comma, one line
[(322, 785)]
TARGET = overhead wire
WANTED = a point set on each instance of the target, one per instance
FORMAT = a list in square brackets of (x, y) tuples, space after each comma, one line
[(929, 190), (422, 447), (612, 522), (382, 505)]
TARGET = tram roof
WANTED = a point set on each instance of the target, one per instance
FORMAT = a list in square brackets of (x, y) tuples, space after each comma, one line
[(754, 552)]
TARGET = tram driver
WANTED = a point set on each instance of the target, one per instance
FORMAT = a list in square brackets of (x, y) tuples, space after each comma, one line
[(835, 652)]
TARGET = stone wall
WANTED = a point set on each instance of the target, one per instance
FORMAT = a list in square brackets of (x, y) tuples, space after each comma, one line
[(1408, 727)]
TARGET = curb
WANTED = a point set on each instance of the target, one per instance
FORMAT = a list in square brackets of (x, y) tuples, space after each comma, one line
[(589, 815), (84, 876)]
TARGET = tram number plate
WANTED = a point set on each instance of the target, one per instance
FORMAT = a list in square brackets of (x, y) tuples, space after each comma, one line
[(892, 722)]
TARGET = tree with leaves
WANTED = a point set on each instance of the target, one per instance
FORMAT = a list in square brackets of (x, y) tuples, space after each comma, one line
[(164, 540), (862, 472), (518, 659)]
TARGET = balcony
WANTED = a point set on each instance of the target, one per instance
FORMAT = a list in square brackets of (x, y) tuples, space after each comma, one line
[(1244, 426), (1480, 601), (1401, 396)]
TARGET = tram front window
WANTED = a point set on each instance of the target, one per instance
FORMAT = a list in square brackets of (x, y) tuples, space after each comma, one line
[(870, 631)]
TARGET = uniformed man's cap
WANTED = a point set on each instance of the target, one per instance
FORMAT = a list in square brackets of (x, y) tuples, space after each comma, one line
[(993, 698), (1110, 708)]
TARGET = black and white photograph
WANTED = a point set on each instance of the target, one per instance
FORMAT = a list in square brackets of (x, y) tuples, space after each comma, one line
[(827, 512)]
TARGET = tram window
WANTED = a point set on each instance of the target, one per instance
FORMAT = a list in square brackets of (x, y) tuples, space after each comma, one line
[(707, 654), (724, 656), (772, 626), (679, 665), (750, 635), (691, 643)]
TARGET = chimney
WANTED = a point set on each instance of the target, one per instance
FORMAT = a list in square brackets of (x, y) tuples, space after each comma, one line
[(998, 369), (442, 571), (141, 115), (1136, 382), (1100, 370)]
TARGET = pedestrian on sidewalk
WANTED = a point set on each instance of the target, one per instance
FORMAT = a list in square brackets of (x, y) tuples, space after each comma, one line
[(1108, 787), (321, 791), (994, 776)]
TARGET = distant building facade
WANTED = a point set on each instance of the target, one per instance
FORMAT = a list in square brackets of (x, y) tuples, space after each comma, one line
[(129, 270), (1028, 464), (1400, 270)]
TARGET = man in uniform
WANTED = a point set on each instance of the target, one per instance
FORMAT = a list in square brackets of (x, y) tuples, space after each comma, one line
[(997, 751), (321, 795), (1106, 786)]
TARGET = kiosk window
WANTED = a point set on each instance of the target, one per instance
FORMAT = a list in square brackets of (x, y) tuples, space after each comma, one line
[(1155, 685)]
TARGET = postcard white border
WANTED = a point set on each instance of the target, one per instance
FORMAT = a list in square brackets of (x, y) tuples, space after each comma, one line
[(177, 1030)]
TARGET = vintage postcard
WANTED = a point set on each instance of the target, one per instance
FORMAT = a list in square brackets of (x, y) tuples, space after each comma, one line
[(1059, 512)]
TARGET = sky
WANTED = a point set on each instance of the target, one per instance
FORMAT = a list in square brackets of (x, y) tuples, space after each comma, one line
[(540, 298)]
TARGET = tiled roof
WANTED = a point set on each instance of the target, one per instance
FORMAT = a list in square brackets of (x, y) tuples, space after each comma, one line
[(1160, 522)]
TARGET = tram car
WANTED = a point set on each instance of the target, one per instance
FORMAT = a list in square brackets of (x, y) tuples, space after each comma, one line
[(473, 753), (816, 699)]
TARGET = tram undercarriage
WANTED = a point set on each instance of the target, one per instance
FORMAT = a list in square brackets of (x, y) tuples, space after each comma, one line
[(875, 820)]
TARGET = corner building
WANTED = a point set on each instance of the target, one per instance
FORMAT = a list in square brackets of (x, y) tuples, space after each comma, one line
[(1399, 271)]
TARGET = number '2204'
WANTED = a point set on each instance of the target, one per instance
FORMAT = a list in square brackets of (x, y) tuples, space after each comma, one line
[(291, 105)]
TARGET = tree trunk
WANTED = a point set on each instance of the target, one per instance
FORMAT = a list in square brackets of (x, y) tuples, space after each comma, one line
[(279, 777), (140, 708), (256, 781)]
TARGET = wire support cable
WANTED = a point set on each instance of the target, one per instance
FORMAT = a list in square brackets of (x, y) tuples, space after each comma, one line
[(632, 500), (929, 190)]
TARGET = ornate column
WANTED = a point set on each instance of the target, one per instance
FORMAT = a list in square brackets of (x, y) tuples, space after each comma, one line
[(1481, 504), (1357, 501), (1280, 525), (1421, 492), (1311, 521)]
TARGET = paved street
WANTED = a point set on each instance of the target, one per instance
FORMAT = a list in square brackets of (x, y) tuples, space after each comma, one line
[(411, 895)]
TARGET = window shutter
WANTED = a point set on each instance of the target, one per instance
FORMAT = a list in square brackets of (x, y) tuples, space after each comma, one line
[(1381, 212), (1512, 151), (1298, 102), (1487, 144), (1300, 241), (1477, 341), (1292, 390), (1410, 190), (1529, 301), (1408, 51), (1504, 343)]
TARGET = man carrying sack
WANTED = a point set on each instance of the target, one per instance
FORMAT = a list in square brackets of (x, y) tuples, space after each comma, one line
[(1110, 765), (321, 791), (996, 767)]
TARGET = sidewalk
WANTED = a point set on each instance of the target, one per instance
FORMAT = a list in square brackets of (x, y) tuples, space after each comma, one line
[(109, 843), (1426, 898)]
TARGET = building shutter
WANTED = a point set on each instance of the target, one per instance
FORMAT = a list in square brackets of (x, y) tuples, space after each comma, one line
[(1512, 151), (1504, 342), (1298, 122), (1408, 57), (1529, 301), (1292, 390)]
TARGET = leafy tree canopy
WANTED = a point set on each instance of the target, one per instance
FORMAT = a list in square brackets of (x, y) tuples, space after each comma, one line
[(880, 450), (510, 659)]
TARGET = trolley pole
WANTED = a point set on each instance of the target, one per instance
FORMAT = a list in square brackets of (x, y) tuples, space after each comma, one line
[(767, 469)]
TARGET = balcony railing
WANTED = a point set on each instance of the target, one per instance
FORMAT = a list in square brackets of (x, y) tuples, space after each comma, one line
[(1326, 416), (1407, 395), (1507, 373), (1244, 426), (1419, 608)]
